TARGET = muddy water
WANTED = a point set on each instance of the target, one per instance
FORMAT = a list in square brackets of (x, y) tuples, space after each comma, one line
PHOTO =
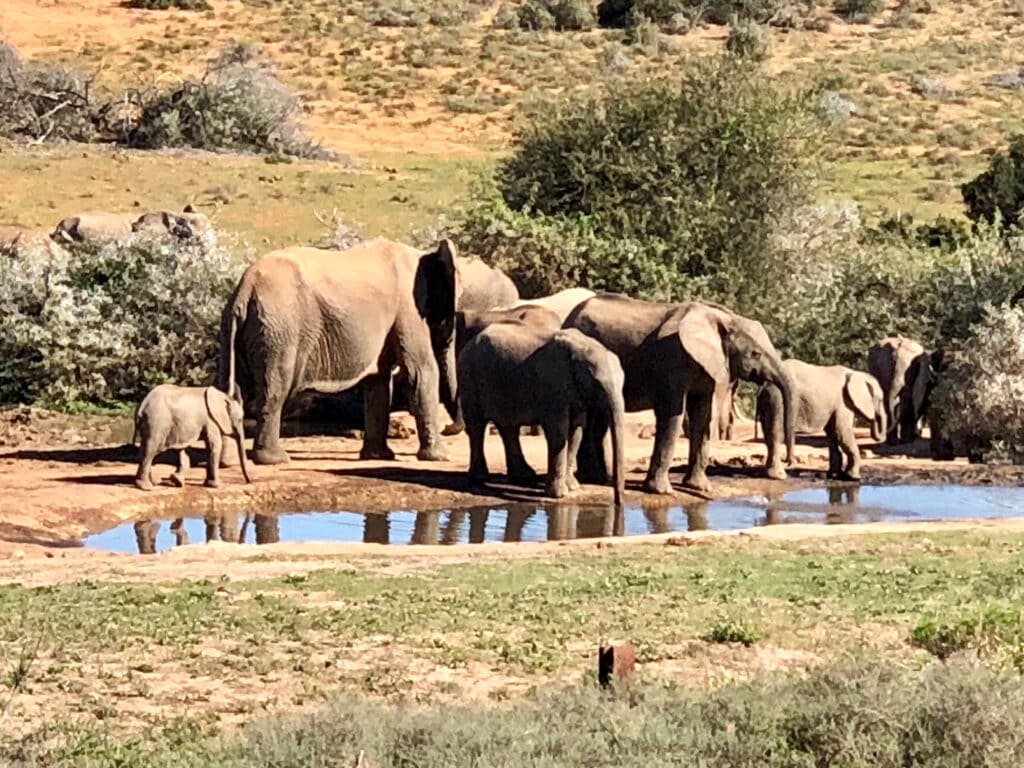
[(531, 522)]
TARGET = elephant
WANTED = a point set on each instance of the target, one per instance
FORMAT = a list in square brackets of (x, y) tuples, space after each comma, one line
[(890, 361), (922, 378), (187, 225), (483, 286), (723, 412), (515, 375), (307, 318), (94, 228), (827, 399), (561, 303), (174, 417), (676, 356), (468, 324)]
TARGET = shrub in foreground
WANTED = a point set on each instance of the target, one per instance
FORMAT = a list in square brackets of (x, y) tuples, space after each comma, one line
[(103, 325), (998, 192)]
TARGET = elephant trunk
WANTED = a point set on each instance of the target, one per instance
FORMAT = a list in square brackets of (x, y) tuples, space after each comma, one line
[(242, 460), (786, 386), (449, 384), (878, 426), (616, 411)]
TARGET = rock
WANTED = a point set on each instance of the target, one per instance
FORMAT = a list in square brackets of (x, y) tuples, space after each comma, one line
[(399, 431), (931, 87), (647, 432), (1007, 80), (838, 107), (615, 664)]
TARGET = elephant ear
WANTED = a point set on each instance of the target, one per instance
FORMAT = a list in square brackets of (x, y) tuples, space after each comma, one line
[(923, 374), (436, 291), (701, 337), (858, 394), (217, 407)]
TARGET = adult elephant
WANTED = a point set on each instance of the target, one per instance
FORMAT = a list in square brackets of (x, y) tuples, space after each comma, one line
[(94, 228), (675, 356), (306, 318), (483, 286), (922, 378), (890, 361)]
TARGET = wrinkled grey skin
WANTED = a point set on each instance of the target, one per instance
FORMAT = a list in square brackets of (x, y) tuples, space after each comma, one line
[(515, 375), (562, 303), (94, 228), (306, 318), (173, 417), (483, 286), (723, 412), (922, 377), (469, 323), (890, 361), (676, 354), (828, 399)]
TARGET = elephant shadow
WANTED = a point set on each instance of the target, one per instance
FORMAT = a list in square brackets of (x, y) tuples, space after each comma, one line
[(112, 453)]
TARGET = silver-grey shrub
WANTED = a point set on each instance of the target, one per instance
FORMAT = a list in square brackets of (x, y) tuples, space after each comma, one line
[(981, 394), (103, 325)]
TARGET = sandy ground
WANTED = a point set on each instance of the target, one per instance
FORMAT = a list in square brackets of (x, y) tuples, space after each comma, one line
[(60, 482)]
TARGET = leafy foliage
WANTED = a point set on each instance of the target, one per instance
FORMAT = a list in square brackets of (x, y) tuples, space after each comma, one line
[(163, 5), (106, 324), (748, 40), (625, 13), (860, 11), (681, 182), (998, 192), (981, 394), (994, 633), (238, 104)]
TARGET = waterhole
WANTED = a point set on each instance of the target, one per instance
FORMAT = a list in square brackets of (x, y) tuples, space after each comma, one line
[(533, 522)]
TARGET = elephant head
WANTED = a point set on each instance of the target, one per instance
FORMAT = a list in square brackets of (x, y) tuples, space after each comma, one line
[(730, 347), (864, 395), (436, 291), (228, 414), (598, 377)]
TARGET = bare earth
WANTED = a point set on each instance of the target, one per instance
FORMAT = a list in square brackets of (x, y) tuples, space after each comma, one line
[(61, 482)]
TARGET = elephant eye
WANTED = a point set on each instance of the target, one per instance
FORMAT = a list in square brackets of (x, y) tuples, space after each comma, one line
[(756, 355)]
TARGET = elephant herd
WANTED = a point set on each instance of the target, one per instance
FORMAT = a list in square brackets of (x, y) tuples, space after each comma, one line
[(453, 332)]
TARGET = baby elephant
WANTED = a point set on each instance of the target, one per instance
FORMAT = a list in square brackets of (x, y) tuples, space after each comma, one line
[(828, 398), (175, 417), (516, 375)]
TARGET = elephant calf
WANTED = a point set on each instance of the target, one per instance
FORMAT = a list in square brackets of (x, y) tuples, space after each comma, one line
[(828, 398), (173, 417), (515, 375)]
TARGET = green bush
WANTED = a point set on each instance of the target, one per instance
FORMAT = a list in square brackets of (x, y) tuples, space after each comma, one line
[(733, 632), (618, 13), (859, 11), (998, 192), (562, 15), (748, 40), (163, 5), (996, 634), (237, 105), (682, 182), (981, 394), (103, 325)]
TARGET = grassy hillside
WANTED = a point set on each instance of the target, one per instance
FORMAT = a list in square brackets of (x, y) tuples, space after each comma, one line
[(412, 86)]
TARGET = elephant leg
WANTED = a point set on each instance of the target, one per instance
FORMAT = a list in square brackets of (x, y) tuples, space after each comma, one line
[(178, 478), (424, 403), (476, 430), (377, 415), (591, 466), (556, 432), (667, 426), (846, 442), (698, 409), (214, 445), (457, 426), (835, 456), (576, 426), (271, 395), (516, 467), (144, 475), (770, 412)]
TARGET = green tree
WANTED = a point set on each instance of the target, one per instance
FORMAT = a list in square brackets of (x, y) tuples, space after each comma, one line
[(999, 190)]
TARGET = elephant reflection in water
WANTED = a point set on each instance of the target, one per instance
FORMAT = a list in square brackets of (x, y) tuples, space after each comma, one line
[(594, 524), (843, 503), (696, 517), (146, 532), (223, 526), (376, 529)]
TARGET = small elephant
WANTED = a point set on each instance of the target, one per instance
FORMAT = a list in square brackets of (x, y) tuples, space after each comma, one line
[(515, 375), (173, 417), (483, 286), (891, 361), (562, 303), (187, 225), (94, 227), (827, 399)]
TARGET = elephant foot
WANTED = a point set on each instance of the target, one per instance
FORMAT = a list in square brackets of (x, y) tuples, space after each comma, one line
[(453, 429), (572, 483), (178, 479), (659, 485), (143, 485), (776, 473), (479, 477), (267, 456), (522, 476), (381, 453), (431, 453), (211, 483), (556, 489), (697, 481)]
